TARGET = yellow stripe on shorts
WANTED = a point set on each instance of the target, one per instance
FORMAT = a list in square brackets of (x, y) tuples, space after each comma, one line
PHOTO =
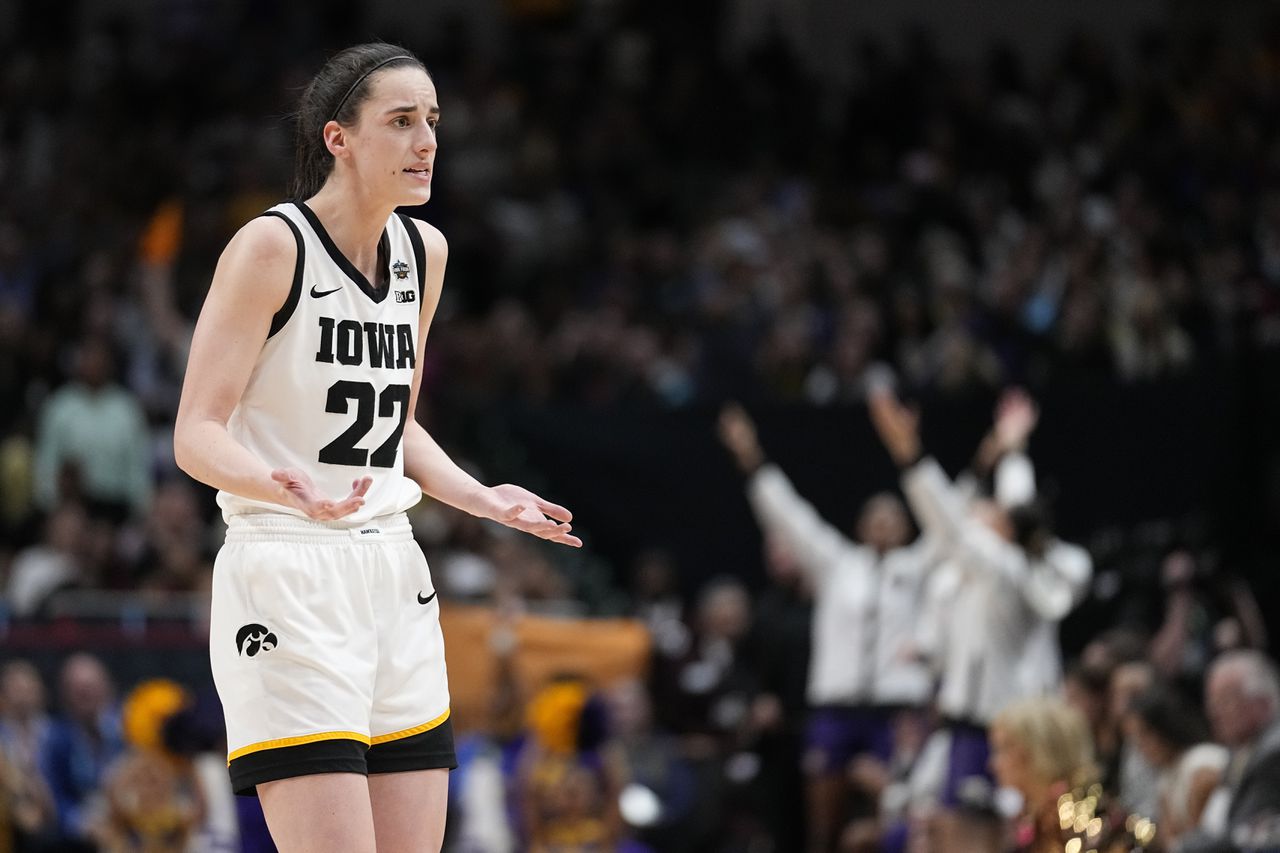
[(416, 730), (295, 741)]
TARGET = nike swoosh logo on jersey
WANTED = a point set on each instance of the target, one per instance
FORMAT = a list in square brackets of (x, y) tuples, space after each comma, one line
[(426, 600), (318, 293)]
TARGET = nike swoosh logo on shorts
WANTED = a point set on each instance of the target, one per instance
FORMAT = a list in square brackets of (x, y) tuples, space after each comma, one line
[(318, 293), (426, 600)]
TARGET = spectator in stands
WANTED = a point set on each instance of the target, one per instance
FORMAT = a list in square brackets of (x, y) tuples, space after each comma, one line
[(703, 693), (175, 554), (1041, 749), (83, 742), (92, 441), (1172, 736), (144, 810), (1130, 775), (568, 794), (57, 562), (658, 794), (1204, 615), (1242, 698), (1085, 687), (782, 642), (655, 596), (866, 592), (24, 732)]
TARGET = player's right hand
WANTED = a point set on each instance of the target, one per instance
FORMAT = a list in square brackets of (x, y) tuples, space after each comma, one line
[(297, 490)]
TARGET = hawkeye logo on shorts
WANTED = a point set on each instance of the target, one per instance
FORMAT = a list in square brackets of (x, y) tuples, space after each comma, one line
[(254, 638), (401, 269)]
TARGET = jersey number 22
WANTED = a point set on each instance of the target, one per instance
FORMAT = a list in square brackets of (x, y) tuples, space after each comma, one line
[(392, 402)]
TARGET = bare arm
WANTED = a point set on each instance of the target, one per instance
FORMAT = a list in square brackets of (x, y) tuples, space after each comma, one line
[(250, 284), (439, 476)]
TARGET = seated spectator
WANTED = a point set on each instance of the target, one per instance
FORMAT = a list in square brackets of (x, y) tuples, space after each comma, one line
[(568, 795), (704, 693), (1205, 613), (906, 790), (174, 556), (1085, 687), (1128, 774), (24, 732), (82, 744), (152, 802), (1169, 733), (659, 794), (1242, 698), (1041, 749), (55, 563), (144, 812)]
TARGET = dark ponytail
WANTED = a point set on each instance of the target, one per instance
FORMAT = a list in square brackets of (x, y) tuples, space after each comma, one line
[(336, 94)]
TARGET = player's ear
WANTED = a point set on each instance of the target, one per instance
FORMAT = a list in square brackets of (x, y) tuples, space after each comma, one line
[(335, 139)]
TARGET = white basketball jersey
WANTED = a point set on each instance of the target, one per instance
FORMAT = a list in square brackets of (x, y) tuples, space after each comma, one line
[(330, 391)]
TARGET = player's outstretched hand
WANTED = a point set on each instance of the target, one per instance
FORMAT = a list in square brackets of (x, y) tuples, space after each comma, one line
[(297, 490), (897, 425), (738, 432), (520, 508)]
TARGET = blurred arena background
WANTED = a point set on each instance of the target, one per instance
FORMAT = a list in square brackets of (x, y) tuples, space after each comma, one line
[(653, 208)]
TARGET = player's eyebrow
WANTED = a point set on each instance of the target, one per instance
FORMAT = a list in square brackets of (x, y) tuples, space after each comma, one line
[(413, 108)]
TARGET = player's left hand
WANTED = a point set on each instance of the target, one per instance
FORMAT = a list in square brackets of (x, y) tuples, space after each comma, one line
[(520, 508)]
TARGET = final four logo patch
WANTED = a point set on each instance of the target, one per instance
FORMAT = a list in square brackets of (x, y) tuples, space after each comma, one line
[(401, 269)]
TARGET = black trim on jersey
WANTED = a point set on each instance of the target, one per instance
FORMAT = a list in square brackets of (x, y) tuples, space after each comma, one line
[(306, 759), (429, 750), (295, 290), (419, 253), (384, 251)]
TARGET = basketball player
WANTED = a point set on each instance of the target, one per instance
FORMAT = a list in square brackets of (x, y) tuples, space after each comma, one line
[(298, 407)]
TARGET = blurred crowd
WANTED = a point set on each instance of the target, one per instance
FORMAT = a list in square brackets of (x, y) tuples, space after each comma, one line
[(897, 688), (638, 217)]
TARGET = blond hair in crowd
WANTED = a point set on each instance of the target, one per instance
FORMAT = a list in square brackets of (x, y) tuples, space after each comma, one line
[(1056, 738)]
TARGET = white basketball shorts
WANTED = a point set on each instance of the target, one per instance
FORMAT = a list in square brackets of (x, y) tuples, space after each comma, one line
[(326, 650)]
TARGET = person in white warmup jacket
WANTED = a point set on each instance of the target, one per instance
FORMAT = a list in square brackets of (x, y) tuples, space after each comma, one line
[(1007, 582), (867, 593)]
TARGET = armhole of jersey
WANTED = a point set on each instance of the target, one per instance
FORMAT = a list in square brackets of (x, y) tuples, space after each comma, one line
[(419, 253), (295, 291)]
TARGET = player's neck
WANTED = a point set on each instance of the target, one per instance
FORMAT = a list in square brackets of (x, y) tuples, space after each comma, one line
[(354, 222)]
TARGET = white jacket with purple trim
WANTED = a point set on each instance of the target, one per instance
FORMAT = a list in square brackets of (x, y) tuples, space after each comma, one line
[(994, 611), (865, 604)]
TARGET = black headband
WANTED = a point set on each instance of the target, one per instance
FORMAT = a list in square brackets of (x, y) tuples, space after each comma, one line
[(361, 79)]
